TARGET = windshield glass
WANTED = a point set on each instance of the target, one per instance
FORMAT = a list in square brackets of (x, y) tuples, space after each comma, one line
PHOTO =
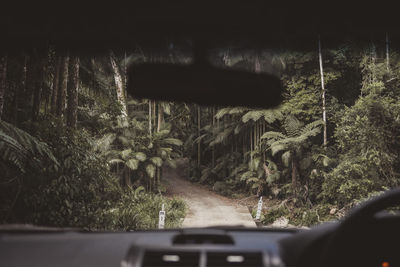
[(77, 151)]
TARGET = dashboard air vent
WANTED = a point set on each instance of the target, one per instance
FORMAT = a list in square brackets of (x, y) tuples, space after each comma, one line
[(227, 259), (206, 239), (170, 259)]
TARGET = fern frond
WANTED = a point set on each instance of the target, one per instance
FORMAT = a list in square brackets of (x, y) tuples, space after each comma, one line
[(273, 135), (253, 115), (292, 125), (313, 128), (276, 148), (222, 136), (272, 115), (222, 112), (22, 149)]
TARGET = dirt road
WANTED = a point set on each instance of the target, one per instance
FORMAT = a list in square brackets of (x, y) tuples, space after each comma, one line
[(206, 208)]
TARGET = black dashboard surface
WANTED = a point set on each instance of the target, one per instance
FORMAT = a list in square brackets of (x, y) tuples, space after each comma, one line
[(110, 249)]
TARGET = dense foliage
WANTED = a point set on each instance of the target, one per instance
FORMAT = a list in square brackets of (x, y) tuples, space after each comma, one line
[(98, 171), (280, 153), (84, 154)]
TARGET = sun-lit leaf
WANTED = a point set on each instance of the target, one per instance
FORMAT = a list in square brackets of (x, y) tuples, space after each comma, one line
[(150, 170), (140, 156), (157, 161), (172, 141), (132, 164), (126, 153)]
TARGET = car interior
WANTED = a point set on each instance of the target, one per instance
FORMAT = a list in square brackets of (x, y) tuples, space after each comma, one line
[(366, 236)]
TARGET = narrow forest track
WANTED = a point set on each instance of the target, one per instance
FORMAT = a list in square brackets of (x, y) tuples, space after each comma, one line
[(205, 207)]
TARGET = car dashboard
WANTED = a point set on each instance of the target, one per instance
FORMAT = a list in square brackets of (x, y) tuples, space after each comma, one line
[(368, 245), (183, 247)]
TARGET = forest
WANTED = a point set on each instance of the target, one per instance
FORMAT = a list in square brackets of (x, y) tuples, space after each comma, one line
[(78, 151)]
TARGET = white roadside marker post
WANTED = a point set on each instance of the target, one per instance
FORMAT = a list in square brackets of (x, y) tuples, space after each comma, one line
[(161, 218), (258, 215)]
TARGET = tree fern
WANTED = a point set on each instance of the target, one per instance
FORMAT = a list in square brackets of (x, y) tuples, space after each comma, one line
[(22, 149), (292, 125)]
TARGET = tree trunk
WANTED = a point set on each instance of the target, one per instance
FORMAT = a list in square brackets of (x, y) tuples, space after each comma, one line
[(255, 136), (57, 66), (38, 87), (198, 134), (213, 130), (119, 85), (160, 116), (294, 176), (20, 89), (251, 144), (267, 172), (62, 87), (387, 52), (159, 121), (154, 114), (150, 117), (125, 77), (73, 85), (3, 76), (323, 91)]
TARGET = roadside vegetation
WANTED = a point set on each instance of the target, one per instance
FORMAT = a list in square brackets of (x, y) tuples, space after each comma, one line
[(77, 151), (333, 142)]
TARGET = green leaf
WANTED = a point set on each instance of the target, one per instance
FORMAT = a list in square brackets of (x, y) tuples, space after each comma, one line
[(252, 180), (246, 175), (115, 161), (166, 108), (286, 157), (157, 161), (140, 156), (171, 163), (150, 170), (132, 164), (276, 148), (125, 153), (172, 141)]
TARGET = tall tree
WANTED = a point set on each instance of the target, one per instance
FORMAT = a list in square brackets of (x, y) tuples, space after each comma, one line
[(387, 52), (62, 87), (20, 89), (150, 104), (213, 133), (198, 134), (160, 116), (118, 84), (73, 85), (56, 77), (323, 91), (38, 86), (3, 75)]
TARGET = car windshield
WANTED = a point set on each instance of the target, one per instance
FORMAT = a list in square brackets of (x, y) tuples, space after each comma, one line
[(77, 151)]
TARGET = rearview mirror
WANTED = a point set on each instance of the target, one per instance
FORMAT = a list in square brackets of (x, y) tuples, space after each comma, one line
[(204, 85)]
